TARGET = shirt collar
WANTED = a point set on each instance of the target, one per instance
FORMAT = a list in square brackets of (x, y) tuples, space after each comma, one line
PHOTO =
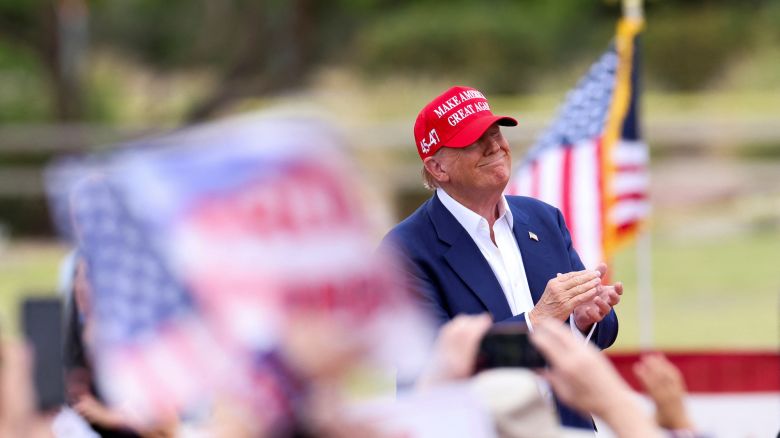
[(469, 219)]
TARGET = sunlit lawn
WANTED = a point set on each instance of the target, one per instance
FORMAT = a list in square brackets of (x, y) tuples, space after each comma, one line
[(707, 293), (26, 269)]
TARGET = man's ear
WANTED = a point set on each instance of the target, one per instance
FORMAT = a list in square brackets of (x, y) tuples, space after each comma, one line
[(434, 166)]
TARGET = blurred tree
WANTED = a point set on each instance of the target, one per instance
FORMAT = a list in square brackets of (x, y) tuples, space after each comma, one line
[(24, 92), (261, 47), (274, 55), (501, 46), (688, 44), (55, 31), (256, 47)]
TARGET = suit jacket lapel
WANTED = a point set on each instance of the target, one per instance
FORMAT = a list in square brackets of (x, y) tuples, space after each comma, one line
[(532, 253), (465, 258)]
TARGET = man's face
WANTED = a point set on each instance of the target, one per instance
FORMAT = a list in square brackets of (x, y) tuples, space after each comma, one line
[(485, 164)]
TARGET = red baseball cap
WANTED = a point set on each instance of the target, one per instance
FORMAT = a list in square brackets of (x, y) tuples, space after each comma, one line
[(456, 119)]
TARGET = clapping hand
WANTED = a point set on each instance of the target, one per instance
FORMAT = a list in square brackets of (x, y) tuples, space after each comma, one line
[(606, 297), (566, 292)]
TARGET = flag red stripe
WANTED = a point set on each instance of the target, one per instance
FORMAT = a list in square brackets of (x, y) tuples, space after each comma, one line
[(535, 177), (602, 188), (636, 196), (638, 168), (566, 192), (627, 227)]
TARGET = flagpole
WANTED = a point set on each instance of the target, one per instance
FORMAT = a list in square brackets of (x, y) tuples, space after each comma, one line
[(645, 289), (632, 9)]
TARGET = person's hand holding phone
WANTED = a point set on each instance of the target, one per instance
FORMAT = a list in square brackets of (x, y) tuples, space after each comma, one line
[(42, 326), (472, 343), (31, 387), (455, 350), (507, 345), (18, 416)]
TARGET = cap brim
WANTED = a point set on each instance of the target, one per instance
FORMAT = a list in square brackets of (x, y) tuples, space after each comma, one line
[(474, 130)]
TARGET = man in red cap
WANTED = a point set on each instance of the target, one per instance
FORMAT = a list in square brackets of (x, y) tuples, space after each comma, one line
[(471, 249)]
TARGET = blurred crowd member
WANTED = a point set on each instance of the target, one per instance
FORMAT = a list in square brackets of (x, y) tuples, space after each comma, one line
[(511, 395), (664, 383), (18, 416), (585, 379), (455, 350), (83, 395), (471, 249), (233, 282), (579, 373)]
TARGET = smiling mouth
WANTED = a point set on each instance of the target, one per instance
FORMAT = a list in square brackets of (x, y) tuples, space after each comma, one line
[(494, 161)]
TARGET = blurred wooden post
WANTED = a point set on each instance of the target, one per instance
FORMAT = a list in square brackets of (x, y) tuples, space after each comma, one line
[(71, 36)]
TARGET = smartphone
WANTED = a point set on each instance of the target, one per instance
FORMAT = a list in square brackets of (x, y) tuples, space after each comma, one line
[(508, 345), (42, 326)]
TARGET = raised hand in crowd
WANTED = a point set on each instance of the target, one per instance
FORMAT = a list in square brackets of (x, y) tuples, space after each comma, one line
[(321, 348), (583, 378), (593, 311), (664, 383), (18, 416), (455, 352)]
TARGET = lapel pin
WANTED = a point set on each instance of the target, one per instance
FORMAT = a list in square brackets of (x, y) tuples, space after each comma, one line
[(533, 236)]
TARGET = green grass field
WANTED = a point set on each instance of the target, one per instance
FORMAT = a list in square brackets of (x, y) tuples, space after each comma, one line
[(26, 268), (716, 293)]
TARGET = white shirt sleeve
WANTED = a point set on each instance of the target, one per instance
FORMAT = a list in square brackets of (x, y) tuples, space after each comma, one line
[(572, 325), (528, 322), (577, 332)]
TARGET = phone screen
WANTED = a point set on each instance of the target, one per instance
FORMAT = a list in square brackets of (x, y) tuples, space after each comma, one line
[(42, 325), (507, 345)]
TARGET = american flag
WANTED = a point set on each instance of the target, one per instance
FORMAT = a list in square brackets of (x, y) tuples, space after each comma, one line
[(591, 163), (153, 355), (204, 247), (158, 351)]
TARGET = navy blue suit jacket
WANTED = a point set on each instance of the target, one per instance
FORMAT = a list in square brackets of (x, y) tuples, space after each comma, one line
[(449, 275)]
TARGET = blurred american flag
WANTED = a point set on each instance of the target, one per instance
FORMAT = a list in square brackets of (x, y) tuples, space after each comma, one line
[(153, 354), (591, 163), (203, 247)]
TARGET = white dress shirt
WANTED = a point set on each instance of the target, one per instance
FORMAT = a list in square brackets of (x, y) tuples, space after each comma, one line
[(503, 257)]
